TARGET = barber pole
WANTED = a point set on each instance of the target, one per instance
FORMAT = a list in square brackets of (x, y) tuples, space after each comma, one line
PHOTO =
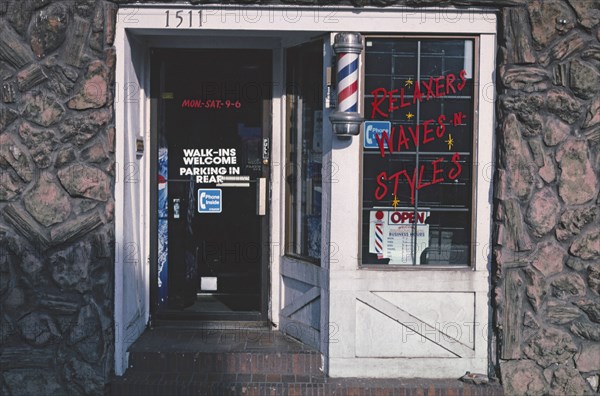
[(379, 234), (347, 120), (379, 240), (347, 87)]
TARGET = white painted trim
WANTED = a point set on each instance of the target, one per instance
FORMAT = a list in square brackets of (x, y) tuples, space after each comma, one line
[(486, 148), (120, 358), (145, 134), (277, 235), (323, 19), (328, 60), (131, 246)]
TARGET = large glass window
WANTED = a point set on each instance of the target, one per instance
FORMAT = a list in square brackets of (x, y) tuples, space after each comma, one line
[(418, 151), (304, 150)]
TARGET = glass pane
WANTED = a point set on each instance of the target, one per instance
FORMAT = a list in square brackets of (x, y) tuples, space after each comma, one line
[(446, 181), (449, 239), (304, 158), (417, 178)]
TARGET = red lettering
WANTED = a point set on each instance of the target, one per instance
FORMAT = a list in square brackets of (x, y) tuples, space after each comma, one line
[(437, 171), (191, 103), (427, 130), (458, 117), (377, 101), (392, 100), (421, 184), (385, 138), (439, 88), (454, 173), (402, 139), (450, 78), (421, 217), (405, 216), (441, 128), (429, 86), (402, 102), (417, 95), (411, 182), (463, 80), (415, 182), (382, 189), (396, 176), (415, 134)]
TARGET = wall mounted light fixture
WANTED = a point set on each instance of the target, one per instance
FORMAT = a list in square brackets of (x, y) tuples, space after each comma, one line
[(346, 120)]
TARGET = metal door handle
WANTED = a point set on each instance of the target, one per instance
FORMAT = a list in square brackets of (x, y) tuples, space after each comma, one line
[(261, 199)]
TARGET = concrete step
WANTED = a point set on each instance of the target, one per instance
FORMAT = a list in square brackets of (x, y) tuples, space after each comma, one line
[(193, 362)]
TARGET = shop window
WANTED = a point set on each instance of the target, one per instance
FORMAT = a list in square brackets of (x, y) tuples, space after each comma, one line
[(418, 139), (304, 126)]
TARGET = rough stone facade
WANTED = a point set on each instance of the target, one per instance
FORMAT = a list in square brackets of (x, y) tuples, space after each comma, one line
[(56, 196), (57, 175), (547, 236)]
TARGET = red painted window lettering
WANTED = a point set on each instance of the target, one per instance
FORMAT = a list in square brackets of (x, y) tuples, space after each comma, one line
[(423, 90), (398, 139), (210, 104), (415, 181)]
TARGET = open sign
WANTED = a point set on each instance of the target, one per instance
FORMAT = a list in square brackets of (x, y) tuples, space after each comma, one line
[(407, 217)]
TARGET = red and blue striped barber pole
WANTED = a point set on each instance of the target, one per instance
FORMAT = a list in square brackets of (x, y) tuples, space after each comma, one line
[(379, 240), (346, 120), (347, 86), (379, 218)]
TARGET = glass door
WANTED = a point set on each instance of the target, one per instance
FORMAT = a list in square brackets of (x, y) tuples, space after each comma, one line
[(211, 153)]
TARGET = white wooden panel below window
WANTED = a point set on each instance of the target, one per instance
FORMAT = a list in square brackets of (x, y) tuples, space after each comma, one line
[(399, 324)]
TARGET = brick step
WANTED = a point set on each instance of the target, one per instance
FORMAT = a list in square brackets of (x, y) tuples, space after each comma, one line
[(193, 386), (241, 384), (303, 363)]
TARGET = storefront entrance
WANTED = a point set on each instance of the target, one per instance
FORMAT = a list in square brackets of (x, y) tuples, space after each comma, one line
[(241, 162), (211, 117)]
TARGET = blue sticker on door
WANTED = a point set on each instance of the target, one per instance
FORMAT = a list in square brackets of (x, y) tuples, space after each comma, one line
[(210, 200)]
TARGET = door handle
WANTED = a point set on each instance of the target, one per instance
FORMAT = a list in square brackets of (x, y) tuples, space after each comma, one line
[(261, 199)]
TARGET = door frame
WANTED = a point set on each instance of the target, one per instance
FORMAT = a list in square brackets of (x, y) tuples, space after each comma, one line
[(134, 192), (265, 282)]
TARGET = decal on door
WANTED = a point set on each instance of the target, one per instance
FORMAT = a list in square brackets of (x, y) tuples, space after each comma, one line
[(210, 200), (209, 165)]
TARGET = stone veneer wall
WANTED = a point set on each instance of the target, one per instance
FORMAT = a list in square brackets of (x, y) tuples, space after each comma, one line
[(57, 175), (547, 236), (57, 168)]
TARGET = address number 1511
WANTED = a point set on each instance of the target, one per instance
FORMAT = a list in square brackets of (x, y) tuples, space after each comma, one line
[(183, 18)]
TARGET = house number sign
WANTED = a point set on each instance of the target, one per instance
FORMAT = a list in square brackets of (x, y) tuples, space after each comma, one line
[(183, 18)]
